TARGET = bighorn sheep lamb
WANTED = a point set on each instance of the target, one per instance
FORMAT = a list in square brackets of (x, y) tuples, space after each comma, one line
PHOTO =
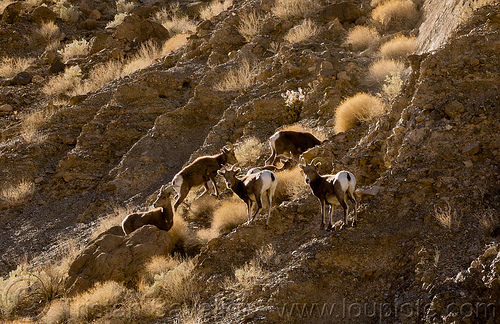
[(327, 187), (288, 164), (251, 187), (162, 216), (200, 172), (290, 141)]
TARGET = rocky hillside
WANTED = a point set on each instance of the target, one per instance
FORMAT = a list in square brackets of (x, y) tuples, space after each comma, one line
[(426, 246)]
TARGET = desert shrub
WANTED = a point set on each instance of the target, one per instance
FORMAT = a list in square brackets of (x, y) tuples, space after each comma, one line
[(175, 21), (47, 33), (97, 301), (294, 101), (119, 18), (252, 272), (238, 78), (381, 69), (194, 314), (146, 55), (14, 194), (173, 283), (391, 87), (31, 122), (396, 14), (398, 47), (362, 37), (286, 9), (250, 23), (248, 151), (74, 49), (113, 219), (122, 6), (362, 107), (305, 31), (174, 43), (214, 8), (447, 217), (490, 222), (9, 66), (291, 185), (227, 216), (63, 83), (100, 75)]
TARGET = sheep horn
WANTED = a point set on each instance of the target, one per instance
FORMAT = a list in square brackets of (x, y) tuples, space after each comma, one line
[(231, 147), (317, 159)]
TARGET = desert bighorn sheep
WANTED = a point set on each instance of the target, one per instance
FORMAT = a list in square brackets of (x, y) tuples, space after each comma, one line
[(251, 187), (328, 187), (162, 216), (200, 172), (290, 141)]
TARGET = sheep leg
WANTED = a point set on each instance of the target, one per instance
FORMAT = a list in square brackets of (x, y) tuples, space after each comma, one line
[(249, 208), (323, 214), (182, 195), (346, 211), (270, 198), (215, 187), (330, 225), (351, 197)]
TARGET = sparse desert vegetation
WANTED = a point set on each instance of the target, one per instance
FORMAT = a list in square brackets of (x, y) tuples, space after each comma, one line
[(360, 108), (398, 47), (9, 66), (381, 69), (214, 8), (295, 8), (396, 14), (239, 77), (362, 37), (306, 30)]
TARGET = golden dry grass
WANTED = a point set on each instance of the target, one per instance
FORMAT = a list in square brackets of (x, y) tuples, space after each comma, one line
[(31, 122), (286, 9), (174, 286), (47, 33), (490, 222), (99, 76), (391, 87), (68, 13), (191, 315), (360, 108), (250, 23), (118, 19), (362, 37), (248, 151), (9, 66), (306, 30), (147, 54), (447, 217), (175, 21), (381, 69), (174, 43), (291, 185), (122, 6), (398, 47), (238, 78), (63, 83), (17, 193), (214, 8), (114, 219), (227, 216), (396, 14), (74, 49)]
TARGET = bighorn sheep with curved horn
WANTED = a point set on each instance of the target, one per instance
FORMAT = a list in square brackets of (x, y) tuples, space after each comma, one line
[(328, 187), (200, 172), (251, 187), (290, 141), (162, 216), (288, 164)]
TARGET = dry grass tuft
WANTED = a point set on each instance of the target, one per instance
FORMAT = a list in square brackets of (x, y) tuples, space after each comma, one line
[(398, 47), (174, 43), (490, 222), (191, 315), (175, 21), (239, 78), (113, 219), (227, 216), (9, 66), (119, 18), (17, 193), (248, 151), (214, 8), (396, 14), (122, 6), (362, 107), (305, 31), (447, 217), (173, 286), (286, 9), (291, 185), (250, 23), (63, 83), (147, 54), (362, 37), (99, 76), (380, 70), (48, 33), (391, 87), (31, 122), (246, 277), (74, 49)]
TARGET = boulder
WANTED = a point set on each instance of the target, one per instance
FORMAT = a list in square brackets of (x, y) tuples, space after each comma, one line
[(136, 30), (114, 256), (11, 12), (345, 11), (43, 14)]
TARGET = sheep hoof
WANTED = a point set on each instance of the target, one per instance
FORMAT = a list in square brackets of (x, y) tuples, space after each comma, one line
[(329, 227)]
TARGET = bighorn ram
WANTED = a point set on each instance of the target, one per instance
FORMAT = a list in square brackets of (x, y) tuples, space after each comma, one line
[(162, 216), (328, 187), (251, 187), (290, 141), (288, 163), (200, 172)]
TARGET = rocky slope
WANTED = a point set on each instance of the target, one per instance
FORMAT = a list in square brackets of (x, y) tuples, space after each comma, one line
[(436, 152)]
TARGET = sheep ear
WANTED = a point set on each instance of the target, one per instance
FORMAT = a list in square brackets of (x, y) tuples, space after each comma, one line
[(221, 172), (237, 170), (302, 161)]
